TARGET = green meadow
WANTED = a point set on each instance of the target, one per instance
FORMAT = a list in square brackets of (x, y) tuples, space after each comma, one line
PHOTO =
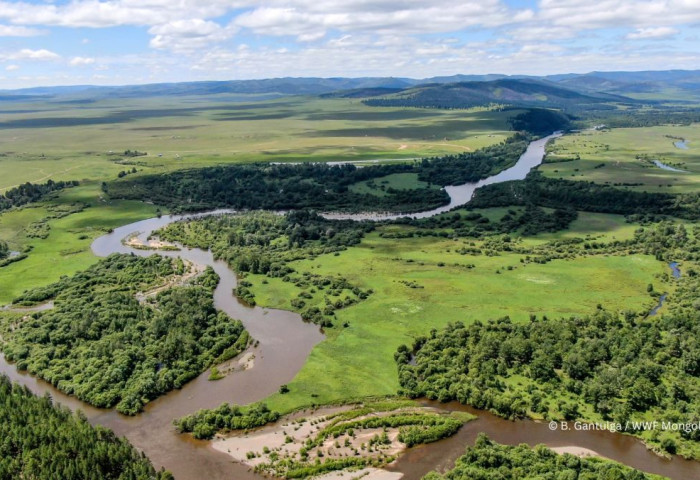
[(396, 181), (424, 283), (44, 141), (418, 283), (625, 156), (66, 249)]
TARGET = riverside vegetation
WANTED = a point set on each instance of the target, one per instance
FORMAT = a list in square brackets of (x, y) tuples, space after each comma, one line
[(435, 265), (43, 441), (487, 460), (107, 347)]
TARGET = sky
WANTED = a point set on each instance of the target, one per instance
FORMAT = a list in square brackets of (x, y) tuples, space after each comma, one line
[(124, 42)]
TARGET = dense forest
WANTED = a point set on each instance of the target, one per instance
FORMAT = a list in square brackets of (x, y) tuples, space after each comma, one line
[(265, 243), (488, 460), (317, 186), (473, 166), (541, 121), (608, 366), (274, 187), (123, 332), (43, 441), (30, 192), (587, 196)]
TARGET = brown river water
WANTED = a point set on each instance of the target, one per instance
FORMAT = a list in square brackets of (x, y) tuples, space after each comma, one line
[(285, 342)]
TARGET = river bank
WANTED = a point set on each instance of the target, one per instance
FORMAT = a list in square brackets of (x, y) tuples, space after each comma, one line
[(285, 341)]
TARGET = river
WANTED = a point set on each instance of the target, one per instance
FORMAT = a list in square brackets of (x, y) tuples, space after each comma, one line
[(462, 194), (285, 341)]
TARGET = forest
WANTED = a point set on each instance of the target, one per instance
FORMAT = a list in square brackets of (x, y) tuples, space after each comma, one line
[(273, 187), (30, 192), (265, 243), (124, 331), (487, 460), (316, 186), (587, 196), (607, 366), (43, 441), (4, 250)]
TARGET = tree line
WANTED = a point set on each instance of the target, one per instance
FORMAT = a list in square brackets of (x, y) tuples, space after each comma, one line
[(316, 186), (488, 460), (539, 190), (608, 366), (31, 192), (107, 347), (44, 441)]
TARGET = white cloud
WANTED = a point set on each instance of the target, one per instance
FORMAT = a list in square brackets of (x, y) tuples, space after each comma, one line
[(110, 13), (81, 61), (304, 17), (18, 31), (12, 68), (29, 54), (187, 35), (615, 13), (652, 33)]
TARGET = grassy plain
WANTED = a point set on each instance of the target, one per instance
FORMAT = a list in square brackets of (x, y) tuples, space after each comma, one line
[(67, 248), (424, 283), (418, 283), (72, 141), (625, 155)]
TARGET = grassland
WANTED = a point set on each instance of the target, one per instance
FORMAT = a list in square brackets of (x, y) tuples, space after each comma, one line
[(424, 283), (625, 155), (418, 283), (396, 181), (86, 142), (73, 142), (66, 250)]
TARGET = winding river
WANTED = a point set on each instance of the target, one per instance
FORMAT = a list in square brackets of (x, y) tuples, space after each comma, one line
[(285, 341)]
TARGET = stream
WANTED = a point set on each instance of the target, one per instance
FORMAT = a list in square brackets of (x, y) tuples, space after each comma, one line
[(285, 341)]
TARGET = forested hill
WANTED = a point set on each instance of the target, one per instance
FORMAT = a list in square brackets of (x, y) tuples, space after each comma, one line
[(42, 441), (517, 92)]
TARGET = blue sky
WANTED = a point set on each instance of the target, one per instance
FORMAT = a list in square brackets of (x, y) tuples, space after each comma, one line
[(116, 42)]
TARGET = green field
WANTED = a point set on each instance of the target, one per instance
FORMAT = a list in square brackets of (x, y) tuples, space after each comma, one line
[(357, 361), (66, 250), (418, 283), (396, 181), (87, 141), (625, 155)]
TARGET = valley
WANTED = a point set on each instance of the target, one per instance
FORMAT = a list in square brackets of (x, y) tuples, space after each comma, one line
[(341, 304)]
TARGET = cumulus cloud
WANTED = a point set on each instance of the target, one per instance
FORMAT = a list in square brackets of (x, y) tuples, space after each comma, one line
[(29, 54), (81, 61), (615, 13), (18, 31), (652, 33), (186, 35), (97, 14), (301, 17), (12, 68)]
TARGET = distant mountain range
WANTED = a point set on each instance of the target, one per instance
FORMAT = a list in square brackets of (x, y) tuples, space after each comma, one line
[(458, 90)]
